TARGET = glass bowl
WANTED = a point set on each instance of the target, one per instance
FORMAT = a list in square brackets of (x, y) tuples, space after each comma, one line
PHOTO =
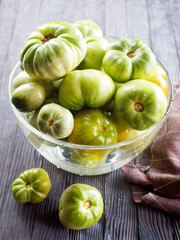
[(81, 159)]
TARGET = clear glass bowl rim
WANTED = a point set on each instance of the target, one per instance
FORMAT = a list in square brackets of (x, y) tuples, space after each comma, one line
[(78, 146)]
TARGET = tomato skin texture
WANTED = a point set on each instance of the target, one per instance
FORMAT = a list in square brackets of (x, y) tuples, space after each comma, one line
[(135, 93), (80, 206), (52, 51), (92, 127), (96, 48), (159, 78), (126, 133), (55, 120), (23, 78), (28, 97), (129, 59), (32, 186), (91, 88), (32, 116), (88, 28)]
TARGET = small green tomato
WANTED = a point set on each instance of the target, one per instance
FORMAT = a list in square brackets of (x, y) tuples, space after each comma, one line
[(32, 186), (32, 116), (80, 206), (28, 97), (55, 120)]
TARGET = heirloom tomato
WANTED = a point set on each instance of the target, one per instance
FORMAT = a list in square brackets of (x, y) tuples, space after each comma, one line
[(92, 127), (52, 51), (55, 120), (91, 88), (129, 59), (31, 186), (96, 48), (28, 97), (80, 206), (139, 104), (88, 28)]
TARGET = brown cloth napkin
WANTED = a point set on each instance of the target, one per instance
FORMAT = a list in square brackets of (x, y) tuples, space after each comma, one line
[(159, 185)]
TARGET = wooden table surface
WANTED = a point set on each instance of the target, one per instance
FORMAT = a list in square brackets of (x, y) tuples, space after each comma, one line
[(154, 21)]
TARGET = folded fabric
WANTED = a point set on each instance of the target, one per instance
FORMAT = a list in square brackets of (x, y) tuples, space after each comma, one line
[(159, 185)]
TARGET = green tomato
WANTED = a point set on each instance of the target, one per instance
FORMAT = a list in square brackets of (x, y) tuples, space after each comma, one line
[(28, 97), (129, 59), (109, 106), (55, 49), (91, 88), (88, 28), (32, 116), (125, 133), (55, 120), (139, 104), (20, 79), (92, 127), (80, 206), (96, 48), (23, 78), (32, 186)]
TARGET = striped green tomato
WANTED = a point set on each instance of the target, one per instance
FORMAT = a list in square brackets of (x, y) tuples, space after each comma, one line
[(96, 48), (80, 206), (88, 28), (52, 51), (28, 97), (139, 104), (91, 88), (32, 186), (129, 59), (92, 127), (23, 78), (55, 120)]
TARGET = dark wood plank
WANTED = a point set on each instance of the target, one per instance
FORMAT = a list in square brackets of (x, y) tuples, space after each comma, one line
[(162, 36), (121, 214), (7, 28), (154, 225)]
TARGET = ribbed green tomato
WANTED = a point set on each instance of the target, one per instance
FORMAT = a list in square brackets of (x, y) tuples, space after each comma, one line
[(20, 79), (129, 59), (92, 127), (91, 88), (139, 104), (23, 78), (31, 186), (55, 120), (28, 97), (80, 206), (88, 28), (55, 49), (96, 48)]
